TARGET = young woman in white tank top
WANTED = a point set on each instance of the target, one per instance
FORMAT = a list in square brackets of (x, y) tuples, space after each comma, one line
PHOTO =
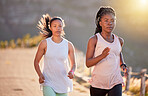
[(56, 74), (104, 54)]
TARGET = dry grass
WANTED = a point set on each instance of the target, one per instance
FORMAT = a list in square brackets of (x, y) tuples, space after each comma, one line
[(134, 89)]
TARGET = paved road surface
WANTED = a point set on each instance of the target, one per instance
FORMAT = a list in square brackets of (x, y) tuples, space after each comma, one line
[(18, 77)]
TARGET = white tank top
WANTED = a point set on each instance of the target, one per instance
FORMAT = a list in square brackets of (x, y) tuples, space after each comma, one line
[(106, 73), (56, 66)]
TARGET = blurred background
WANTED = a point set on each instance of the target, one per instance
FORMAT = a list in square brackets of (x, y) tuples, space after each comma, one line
[(19, 17), (19, 38)]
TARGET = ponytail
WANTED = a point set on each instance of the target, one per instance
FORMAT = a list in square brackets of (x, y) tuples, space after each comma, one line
[(43, 26)]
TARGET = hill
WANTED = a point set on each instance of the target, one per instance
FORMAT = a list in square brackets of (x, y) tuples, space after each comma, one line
[(19, 17)]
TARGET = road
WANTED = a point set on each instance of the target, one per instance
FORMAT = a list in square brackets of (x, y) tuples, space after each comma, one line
[(18, 77)]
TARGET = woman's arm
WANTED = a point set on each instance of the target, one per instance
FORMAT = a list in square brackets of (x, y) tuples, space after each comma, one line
[(90, 60), (71, 55), (121, 55), (122, 63), (39, 55)]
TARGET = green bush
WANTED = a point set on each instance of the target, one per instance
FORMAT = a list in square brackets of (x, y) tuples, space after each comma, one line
[(2, 45), (36, 40), (12, 44), (26, 41), (18, 42), (6, 44)]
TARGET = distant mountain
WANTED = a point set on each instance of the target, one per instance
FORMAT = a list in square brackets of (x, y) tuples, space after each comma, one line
[(19, 17)]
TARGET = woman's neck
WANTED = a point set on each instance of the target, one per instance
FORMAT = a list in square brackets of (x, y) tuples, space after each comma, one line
[(107, 36), (57, 39)]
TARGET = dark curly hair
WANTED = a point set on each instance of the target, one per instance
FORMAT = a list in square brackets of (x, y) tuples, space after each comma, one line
[(103, 10)]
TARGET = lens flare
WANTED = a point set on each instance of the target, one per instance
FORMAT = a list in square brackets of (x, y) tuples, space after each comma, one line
[(143, 3)]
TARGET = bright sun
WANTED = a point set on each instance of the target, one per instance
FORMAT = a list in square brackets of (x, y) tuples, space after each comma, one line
[(143, 3), (139, 5)]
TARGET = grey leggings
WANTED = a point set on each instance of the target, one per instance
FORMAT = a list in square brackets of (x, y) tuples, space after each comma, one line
[(115, 91)]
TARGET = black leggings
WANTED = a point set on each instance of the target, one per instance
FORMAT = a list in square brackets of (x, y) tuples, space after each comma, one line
[(115, 91)]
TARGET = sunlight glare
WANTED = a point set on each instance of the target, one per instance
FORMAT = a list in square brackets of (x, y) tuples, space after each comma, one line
[(143, 3)]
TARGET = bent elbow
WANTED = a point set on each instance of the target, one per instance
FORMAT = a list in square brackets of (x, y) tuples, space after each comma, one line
[(36, 62), (87, 64)]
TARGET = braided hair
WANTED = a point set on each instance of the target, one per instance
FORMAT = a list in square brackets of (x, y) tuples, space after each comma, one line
[(45, 23), (103, 10)]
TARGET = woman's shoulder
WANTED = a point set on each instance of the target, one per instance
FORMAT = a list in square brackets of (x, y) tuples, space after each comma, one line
[(43, 43), (121, 40), (69, 42), (70, 45), (66, 40), (93, 39)]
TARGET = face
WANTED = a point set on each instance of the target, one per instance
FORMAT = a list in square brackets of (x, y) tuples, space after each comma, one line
[(56, 27), (107, 22)]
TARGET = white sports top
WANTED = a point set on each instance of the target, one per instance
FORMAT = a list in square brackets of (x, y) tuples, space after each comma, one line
[(106, 73), (56, 66)]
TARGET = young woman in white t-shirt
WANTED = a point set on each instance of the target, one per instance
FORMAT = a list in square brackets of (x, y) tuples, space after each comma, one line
[(56, 76), (104, 54)]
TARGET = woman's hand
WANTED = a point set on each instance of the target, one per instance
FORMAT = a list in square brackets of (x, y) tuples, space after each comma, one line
[(125, 72), (105, 52), (41, 79), (71, 74), (124, 69)]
